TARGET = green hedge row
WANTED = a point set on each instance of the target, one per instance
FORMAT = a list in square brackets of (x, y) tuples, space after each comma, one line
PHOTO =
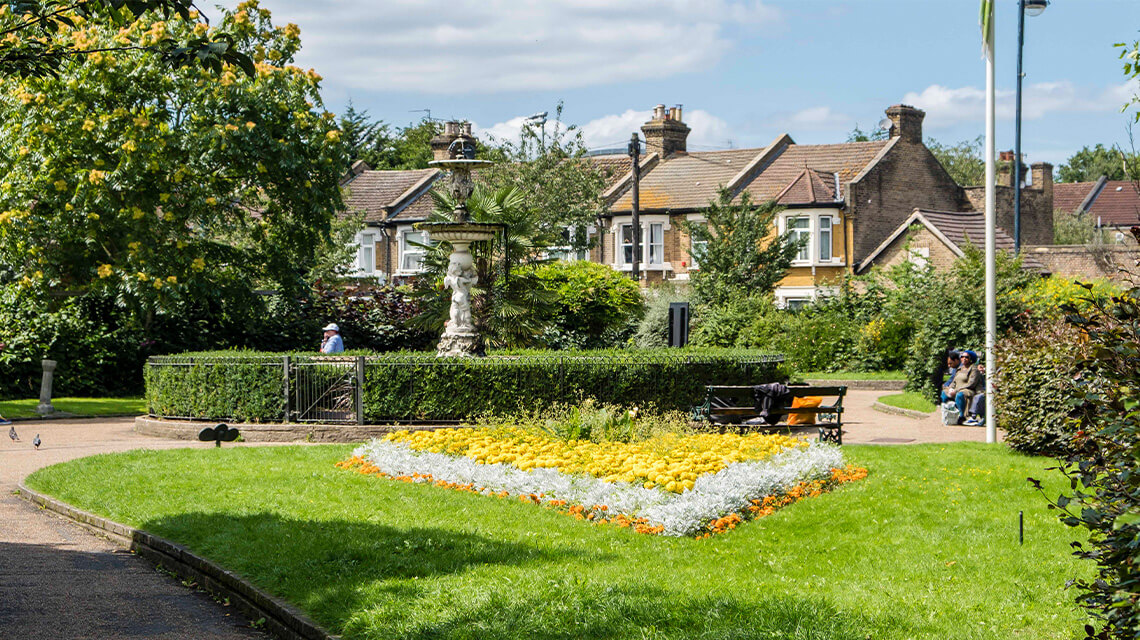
[(250, 387)]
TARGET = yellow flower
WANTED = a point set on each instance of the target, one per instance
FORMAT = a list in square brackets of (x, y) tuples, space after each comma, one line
[(68, 207), (333, 136), (164, 197), (23, 151), (90, 216), (134, 246), (250, 125), (60, 185), (292, 30), (137, 213), (198, 264), (231, 127), (172, 279), (129, 146), (96, 176), (88, 125), (211, 201), (105, 271), (157, 283)]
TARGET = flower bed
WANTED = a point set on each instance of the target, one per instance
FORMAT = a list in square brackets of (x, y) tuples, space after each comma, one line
[(672, 485)]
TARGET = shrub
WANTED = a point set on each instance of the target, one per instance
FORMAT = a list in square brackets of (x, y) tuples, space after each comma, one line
[(595, 306), (409, 386), (1034, 386), (653, 329), (373, 318), (1046, 297), (731, 324)]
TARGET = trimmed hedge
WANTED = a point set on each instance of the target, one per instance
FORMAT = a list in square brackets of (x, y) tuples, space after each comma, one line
[(250, 387)]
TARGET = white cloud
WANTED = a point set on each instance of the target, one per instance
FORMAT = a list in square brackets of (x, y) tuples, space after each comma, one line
[(613, 131), (474, 46), (946, 107), (813, 119)]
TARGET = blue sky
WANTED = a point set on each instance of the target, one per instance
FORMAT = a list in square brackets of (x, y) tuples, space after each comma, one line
[(745, 71)]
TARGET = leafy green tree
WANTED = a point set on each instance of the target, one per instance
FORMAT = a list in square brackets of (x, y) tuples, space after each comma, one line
[(124, 179), (1089, 164), (560, 184), (964, 161), (364, 138), (509, 305), (858, 135), (30, 45), (595, 306), (744, 256)]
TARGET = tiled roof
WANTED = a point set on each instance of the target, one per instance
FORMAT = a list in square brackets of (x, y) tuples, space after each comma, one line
[(810, 187), (687, 180), (376, 193), (1117, 204), (1068, 196), (961, 228), (614, 166), (846, 159), (419, 209)]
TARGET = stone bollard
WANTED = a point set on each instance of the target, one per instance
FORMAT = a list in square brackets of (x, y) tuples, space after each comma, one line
[(45, 407)]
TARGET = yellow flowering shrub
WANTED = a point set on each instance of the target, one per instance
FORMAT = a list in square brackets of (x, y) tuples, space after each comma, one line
[(670, 461)]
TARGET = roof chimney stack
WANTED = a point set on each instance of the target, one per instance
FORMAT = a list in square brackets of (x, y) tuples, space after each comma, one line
[(666, 133), (441, 142), (906, 122)]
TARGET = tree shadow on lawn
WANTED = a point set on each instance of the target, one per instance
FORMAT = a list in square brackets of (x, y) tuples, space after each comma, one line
[(630, 611), (328, 567)]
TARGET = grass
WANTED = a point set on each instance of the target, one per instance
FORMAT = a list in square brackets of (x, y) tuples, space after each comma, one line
[(925, 547), (909, 400), (78, 406), (853, 375)]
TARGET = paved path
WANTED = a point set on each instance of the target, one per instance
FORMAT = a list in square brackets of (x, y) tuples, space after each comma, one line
[(59, 582)]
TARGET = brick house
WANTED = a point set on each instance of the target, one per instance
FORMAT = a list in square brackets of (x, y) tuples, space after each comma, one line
[(847, 199), (1113, 204)]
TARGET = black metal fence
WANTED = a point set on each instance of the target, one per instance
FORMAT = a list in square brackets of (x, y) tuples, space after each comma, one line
[(421, 387)]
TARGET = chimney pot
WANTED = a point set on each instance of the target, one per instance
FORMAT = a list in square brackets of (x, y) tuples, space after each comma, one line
[(665, 133), (906, 122), (659, 112)]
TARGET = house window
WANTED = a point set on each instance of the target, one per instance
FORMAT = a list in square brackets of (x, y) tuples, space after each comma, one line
[(566, 250), (697, 249), (652, 237), (366, 254), (825, 238), (800, 228), (794, 304), (412, 255)]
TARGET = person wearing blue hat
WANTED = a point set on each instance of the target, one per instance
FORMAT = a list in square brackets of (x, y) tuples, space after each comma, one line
[(964, 385)]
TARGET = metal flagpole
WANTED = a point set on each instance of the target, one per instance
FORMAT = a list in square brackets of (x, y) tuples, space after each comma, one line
[(991, 219)]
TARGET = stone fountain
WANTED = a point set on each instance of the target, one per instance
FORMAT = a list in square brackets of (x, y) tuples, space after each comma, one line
[(460, 337)]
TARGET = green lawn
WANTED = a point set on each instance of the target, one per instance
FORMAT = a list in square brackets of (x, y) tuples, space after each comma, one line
[(78, 406), (925, 547), (853, 375), (909, 400)]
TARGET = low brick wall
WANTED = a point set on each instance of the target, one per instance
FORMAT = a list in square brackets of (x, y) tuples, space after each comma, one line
[(292, 432), (282, 619), (1086, 263)]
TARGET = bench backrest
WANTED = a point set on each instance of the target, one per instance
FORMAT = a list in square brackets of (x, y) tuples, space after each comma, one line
[(795, 392)]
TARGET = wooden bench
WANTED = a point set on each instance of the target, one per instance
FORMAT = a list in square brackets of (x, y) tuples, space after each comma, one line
[(733, 405)]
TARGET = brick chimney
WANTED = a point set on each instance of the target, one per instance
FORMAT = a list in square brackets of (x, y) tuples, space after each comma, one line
[(440, 143), (1043, 179), (906, 122), (666, 132), (1005, 169)]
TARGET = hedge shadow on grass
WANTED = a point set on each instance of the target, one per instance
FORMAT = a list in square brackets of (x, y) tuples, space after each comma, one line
[(328, 567)]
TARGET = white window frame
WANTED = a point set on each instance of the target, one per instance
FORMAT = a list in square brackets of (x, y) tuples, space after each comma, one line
[(566, 252), (816, 235), (648, 223), (365, 242), (805, 254), (785, 295), (406, 250)]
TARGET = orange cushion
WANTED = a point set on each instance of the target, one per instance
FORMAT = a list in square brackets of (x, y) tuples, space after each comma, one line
[(804, 418)]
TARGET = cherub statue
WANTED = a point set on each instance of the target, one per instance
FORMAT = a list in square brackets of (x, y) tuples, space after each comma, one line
[(460, 281)]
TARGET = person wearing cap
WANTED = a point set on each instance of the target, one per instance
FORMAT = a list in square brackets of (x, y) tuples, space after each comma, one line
[(964, 386), (332, 342)]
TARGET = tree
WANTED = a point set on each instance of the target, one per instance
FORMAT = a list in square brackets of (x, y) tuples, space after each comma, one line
[(742, 255), (964, 161), (560, 184), (1089, 164), (858, 135), (364, 139), (30, 45), (159, 188)]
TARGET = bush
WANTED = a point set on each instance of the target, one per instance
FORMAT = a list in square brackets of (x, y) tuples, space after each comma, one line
[(1034, 387), (595, 306), (653, 330), (409, 386), (1046, 297), (372, 318)]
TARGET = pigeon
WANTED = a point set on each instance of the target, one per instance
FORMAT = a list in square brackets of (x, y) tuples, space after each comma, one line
[(12, 434), (36, 441)]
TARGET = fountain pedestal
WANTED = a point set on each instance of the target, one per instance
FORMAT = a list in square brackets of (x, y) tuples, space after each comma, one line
[(460, 337)]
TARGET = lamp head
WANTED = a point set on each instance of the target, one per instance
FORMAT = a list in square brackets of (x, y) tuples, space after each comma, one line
[(1035, 7)]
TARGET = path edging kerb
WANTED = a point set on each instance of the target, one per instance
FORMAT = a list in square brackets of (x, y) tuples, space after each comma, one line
[(281, 618), (899, 411)]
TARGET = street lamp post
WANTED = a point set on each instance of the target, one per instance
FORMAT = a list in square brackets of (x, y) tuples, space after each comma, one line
[(1033, 8), (635, 206)]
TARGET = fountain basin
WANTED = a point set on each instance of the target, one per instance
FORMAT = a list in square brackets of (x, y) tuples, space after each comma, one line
[(459, 231)]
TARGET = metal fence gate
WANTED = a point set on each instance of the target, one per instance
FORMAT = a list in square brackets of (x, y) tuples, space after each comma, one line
[(326, 391)]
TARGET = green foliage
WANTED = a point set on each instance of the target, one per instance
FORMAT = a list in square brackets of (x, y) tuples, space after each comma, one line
[(858, 135), (1046, 298), (595, 306), (741, 258), (1074, 228), (562, 188), (1130, 55), (1034, 386), (1089, 164), (372, 318), (1102, 465), (407, 386), (653, 329), (964, 161), (161, 189), (364, 139), (26, 407), (38, 46)]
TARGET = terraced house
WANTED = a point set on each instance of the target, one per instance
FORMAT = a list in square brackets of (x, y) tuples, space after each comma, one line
[(853, 201)]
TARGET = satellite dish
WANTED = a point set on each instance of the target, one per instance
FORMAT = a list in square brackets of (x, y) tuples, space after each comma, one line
[(885, 124)]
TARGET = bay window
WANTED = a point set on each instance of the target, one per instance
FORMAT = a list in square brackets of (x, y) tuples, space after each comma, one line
[(411, 251), (652, 238)]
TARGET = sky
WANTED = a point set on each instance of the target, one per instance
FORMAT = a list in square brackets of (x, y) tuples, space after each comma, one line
[(745, 70)]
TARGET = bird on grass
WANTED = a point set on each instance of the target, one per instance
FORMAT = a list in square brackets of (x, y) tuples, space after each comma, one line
[(13, 435), (36, 441)]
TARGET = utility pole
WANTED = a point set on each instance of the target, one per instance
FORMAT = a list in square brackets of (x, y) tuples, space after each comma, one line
[(635, 153)]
